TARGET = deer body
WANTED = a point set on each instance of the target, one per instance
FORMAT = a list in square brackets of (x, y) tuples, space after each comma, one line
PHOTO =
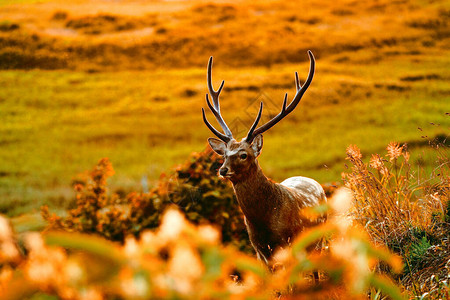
[(273, 211)]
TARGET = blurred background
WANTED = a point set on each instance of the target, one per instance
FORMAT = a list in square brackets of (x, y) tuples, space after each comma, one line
[(81, 80)]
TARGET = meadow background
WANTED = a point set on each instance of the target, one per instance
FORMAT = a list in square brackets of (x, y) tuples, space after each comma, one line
[(83, 80)]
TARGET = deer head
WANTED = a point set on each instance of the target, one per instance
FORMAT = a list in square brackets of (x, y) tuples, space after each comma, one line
[(240, 157)]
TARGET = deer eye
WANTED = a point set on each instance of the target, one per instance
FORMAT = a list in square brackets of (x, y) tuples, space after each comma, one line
[(243, 156)]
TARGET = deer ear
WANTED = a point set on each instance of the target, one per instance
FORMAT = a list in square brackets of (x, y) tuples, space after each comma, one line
[(217, 145), (257, 144)]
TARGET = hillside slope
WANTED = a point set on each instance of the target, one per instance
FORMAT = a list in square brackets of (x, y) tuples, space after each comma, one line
[(141, 34), (82, 80)]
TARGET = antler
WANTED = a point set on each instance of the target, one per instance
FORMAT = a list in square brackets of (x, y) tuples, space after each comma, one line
[(216, 108), (284, 110)]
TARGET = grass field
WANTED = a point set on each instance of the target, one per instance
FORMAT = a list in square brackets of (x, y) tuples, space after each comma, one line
[(86, 83), (126, 80)]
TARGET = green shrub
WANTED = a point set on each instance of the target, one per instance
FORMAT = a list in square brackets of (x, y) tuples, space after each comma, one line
[(416, 254)]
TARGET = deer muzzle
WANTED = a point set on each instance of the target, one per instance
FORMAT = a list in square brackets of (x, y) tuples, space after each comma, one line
[(223, 171)]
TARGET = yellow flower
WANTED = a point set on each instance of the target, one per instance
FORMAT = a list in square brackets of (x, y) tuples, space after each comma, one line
[(394, 150), (5, 230), (376, 162), (353, 152), (172, 224), (185, 268), (209, 234), (406, 155)]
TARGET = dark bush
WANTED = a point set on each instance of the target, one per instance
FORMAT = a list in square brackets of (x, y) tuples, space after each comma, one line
[(15, 58), (8, 26), (193, 187)]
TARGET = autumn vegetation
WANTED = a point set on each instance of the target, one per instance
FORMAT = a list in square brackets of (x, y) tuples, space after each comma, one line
[(107, 188), (145, 245)]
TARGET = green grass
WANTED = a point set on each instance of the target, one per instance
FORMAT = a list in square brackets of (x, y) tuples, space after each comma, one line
[(382, 73), (12, 2), (57, 124)]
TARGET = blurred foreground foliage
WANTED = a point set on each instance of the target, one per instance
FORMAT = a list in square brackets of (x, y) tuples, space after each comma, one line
[(179, 260), (194, 188)]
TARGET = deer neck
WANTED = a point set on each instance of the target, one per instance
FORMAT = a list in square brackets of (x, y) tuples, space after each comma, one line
[(256, 194)]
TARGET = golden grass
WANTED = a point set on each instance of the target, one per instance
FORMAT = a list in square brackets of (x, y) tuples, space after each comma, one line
[(136, 35), (408, 210), (392, 197), (58, 123)]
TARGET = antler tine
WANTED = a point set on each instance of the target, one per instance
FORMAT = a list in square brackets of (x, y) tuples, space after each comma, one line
[(297, 82), (214, 94), (220, 135), (219, 118), (286, 110), (215, 99), (250, 133)]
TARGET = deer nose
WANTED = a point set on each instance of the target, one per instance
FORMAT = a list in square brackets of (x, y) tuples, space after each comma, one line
[(223, 171)]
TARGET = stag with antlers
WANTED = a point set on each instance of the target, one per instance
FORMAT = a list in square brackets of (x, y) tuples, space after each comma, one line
[(273, 211)]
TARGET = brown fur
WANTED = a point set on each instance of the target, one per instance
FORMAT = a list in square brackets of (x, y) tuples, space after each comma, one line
[(273, 212)]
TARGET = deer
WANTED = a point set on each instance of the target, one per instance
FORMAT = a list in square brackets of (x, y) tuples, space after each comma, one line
[(272, 211)]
